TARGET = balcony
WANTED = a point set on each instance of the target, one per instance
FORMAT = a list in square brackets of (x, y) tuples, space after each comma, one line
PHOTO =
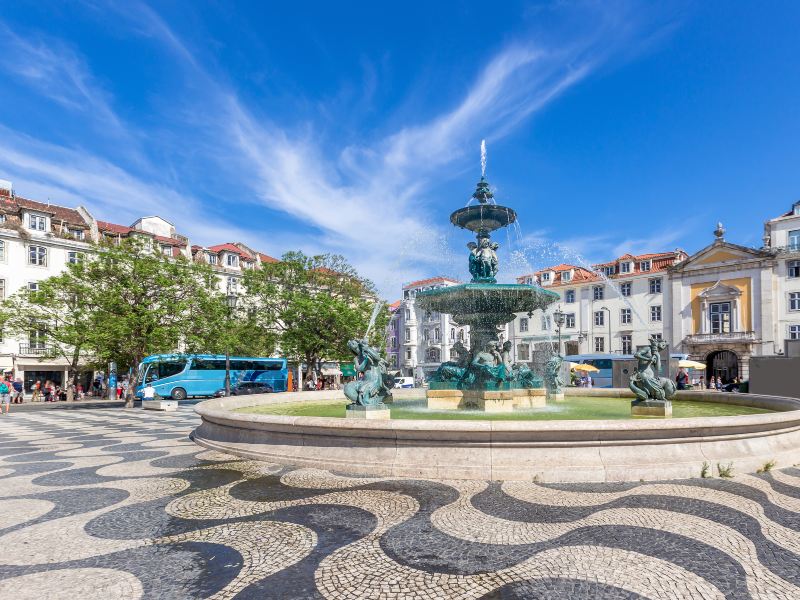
[(716, 338), (34, 349)]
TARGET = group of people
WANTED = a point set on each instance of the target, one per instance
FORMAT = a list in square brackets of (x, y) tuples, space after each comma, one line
[(584, 380), (10, 392), (714, 382)]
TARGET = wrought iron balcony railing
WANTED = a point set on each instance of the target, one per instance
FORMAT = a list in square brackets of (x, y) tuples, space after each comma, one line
[(34, 349), (731, 336)]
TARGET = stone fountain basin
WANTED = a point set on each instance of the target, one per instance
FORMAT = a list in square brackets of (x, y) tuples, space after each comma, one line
[(547, 451), (486, 298)]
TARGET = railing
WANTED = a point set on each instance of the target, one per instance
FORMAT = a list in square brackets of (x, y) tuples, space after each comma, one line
[(731, 336), (34, 349)]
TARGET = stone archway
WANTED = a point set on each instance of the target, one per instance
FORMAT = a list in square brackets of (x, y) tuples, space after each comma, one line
[(722, 363)]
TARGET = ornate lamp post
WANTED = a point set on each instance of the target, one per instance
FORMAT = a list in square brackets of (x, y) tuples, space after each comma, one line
[(231, 299), (560, 317)]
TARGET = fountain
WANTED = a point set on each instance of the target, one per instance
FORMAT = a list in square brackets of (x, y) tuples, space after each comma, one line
[(483, 377)]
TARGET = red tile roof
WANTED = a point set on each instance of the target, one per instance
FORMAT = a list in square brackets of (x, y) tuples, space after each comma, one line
[(395, 305), (266, 258), (430, 281), (124, 230), (69, 216), (229, 247)]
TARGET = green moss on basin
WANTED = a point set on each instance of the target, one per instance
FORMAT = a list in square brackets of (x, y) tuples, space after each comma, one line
[(572, 408)]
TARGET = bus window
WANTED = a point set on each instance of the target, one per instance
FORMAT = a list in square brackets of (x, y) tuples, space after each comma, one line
[(205, 364), (168, 369), (152, 373)]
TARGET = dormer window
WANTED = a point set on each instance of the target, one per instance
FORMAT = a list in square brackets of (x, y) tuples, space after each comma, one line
[(212, 259), (546, 276), (624, 267), (165, 249), (566, 276), (233, 260), (37, 222), (76, 233), (796, 209), (644, 265)]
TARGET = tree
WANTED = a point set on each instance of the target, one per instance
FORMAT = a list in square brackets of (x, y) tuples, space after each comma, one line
[(57, 316), (143, 302), (312, 305)]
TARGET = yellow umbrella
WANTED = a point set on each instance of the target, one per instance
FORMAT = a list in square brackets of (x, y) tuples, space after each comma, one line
[(585, 368), (691, 364)]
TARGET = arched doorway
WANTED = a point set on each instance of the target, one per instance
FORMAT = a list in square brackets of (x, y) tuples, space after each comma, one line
[(724, 364)]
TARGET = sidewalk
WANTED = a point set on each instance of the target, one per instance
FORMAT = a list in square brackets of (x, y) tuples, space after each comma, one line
[(89, 403)]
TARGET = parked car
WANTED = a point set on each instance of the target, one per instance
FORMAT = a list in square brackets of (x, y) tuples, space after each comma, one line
[(404, 382), (247, 387)]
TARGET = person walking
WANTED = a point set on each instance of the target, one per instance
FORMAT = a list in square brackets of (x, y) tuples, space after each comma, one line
[(682, 379), (37, 391), (18, 391), (718, 383), (5, 396)]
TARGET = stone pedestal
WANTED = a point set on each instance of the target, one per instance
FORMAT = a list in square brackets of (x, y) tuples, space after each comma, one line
[(444, 399), (165, 405), (489, 401), (651, 408), (556, 396), (379, 411), (530, 398)]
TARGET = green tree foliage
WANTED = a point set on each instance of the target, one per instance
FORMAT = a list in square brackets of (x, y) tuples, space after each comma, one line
[(312, 305), (57, 318)]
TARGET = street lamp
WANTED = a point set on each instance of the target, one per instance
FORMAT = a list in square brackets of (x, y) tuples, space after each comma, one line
[(560, 317), (609, 326), (231, 299)]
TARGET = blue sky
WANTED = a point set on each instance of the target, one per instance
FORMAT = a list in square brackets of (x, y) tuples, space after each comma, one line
[(355, 127)]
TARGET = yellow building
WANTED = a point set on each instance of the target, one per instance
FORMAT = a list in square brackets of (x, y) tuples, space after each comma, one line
[(722, 309)]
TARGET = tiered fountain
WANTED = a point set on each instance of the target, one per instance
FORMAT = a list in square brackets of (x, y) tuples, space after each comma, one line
[(483, 376)]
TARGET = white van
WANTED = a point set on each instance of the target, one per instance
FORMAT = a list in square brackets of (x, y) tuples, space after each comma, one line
[(404, 382)]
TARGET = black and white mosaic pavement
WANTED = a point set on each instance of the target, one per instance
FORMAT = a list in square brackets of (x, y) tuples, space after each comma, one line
[(121, 504)]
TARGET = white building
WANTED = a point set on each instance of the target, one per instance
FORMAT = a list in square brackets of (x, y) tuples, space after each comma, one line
[(615, 307), (230, 261), (782, 239)]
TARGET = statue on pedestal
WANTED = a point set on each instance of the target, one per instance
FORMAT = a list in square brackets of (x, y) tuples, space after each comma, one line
[(375, 386), (552, 373), (646, 381), (483, 264)]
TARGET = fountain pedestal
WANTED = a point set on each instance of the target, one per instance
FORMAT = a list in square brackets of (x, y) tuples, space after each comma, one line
[(378, 411), (486, 400), (651, 408), (556, 396)]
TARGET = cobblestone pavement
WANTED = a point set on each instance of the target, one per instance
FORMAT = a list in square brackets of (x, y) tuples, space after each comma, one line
[(120, 504)]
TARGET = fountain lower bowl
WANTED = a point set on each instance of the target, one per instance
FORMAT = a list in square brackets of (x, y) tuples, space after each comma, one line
[(548, 451)]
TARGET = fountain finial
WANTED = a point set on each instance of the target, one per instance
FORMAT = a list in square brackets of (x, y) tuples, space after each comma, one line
[(482, 192)]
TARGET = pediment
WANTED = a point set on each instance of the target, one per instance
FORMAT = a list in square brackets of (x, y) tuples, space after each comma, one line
[(720, 290), (719, 253)]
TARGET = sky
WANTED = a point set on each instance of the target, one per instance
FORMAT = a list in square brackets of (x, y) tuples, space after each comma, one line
[(355, 127)]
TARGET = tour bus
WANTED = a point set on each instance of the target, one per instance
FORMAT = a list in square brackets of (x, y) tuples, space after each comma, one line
[(179, 376), (604, 362)]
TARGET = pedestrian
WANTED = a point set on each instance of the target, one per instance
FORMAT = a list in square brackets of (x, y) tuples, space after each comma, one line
[(718, 383), (19, 392), (682, 379), (149, 392), (46, 391), (119, 390), (37, 391), (80, 391), (589, 381), (5, 396)]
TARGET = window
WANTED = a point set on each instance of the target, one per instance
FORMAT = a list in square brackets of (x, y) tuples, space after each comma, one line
[(426, 334), (720, 317), (644, 265), (597, 292), (569, 296), (625, 316), (569, 320), (566, 276), (233, 285), (33, 286), (394, 343), (627, 344), (794, 332), (76, 233), (794, 237), (165, 249), (168, 369), (2, 251), (546, 276), (433, 355), (232, 260), (37, 255), (408, 334), (625, 289), (212, 259), (452, 334), (408, 354), (599, 318), (36, 339), (655, 313), (655, 285), (408, 314), (37, 222), (599, 344), (74, 258), (546, 323), (794, 301), (523, 325), (461, 334), (437, 335), (794, 268), (625, 267), (657, 336), (523, 352), (608, 270), (205, 364)]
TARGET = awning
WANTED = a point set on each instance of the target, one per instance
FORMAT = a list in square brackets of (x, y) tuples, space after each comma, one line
[(348, 369)]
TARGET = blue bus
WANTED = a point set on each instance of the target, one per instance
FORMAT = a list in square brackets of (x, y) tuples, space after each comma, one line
[(179, 376), (604, 362)]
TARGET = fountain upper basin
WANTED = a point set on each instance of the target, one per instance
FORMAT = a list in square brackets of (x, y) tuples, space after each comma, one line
[(478, 298)]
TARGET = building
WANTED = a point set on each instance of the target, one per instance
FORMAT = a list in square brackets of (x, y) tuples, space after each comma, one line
[(613, 307), (230, 261), (782, 239), (393, 328)]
